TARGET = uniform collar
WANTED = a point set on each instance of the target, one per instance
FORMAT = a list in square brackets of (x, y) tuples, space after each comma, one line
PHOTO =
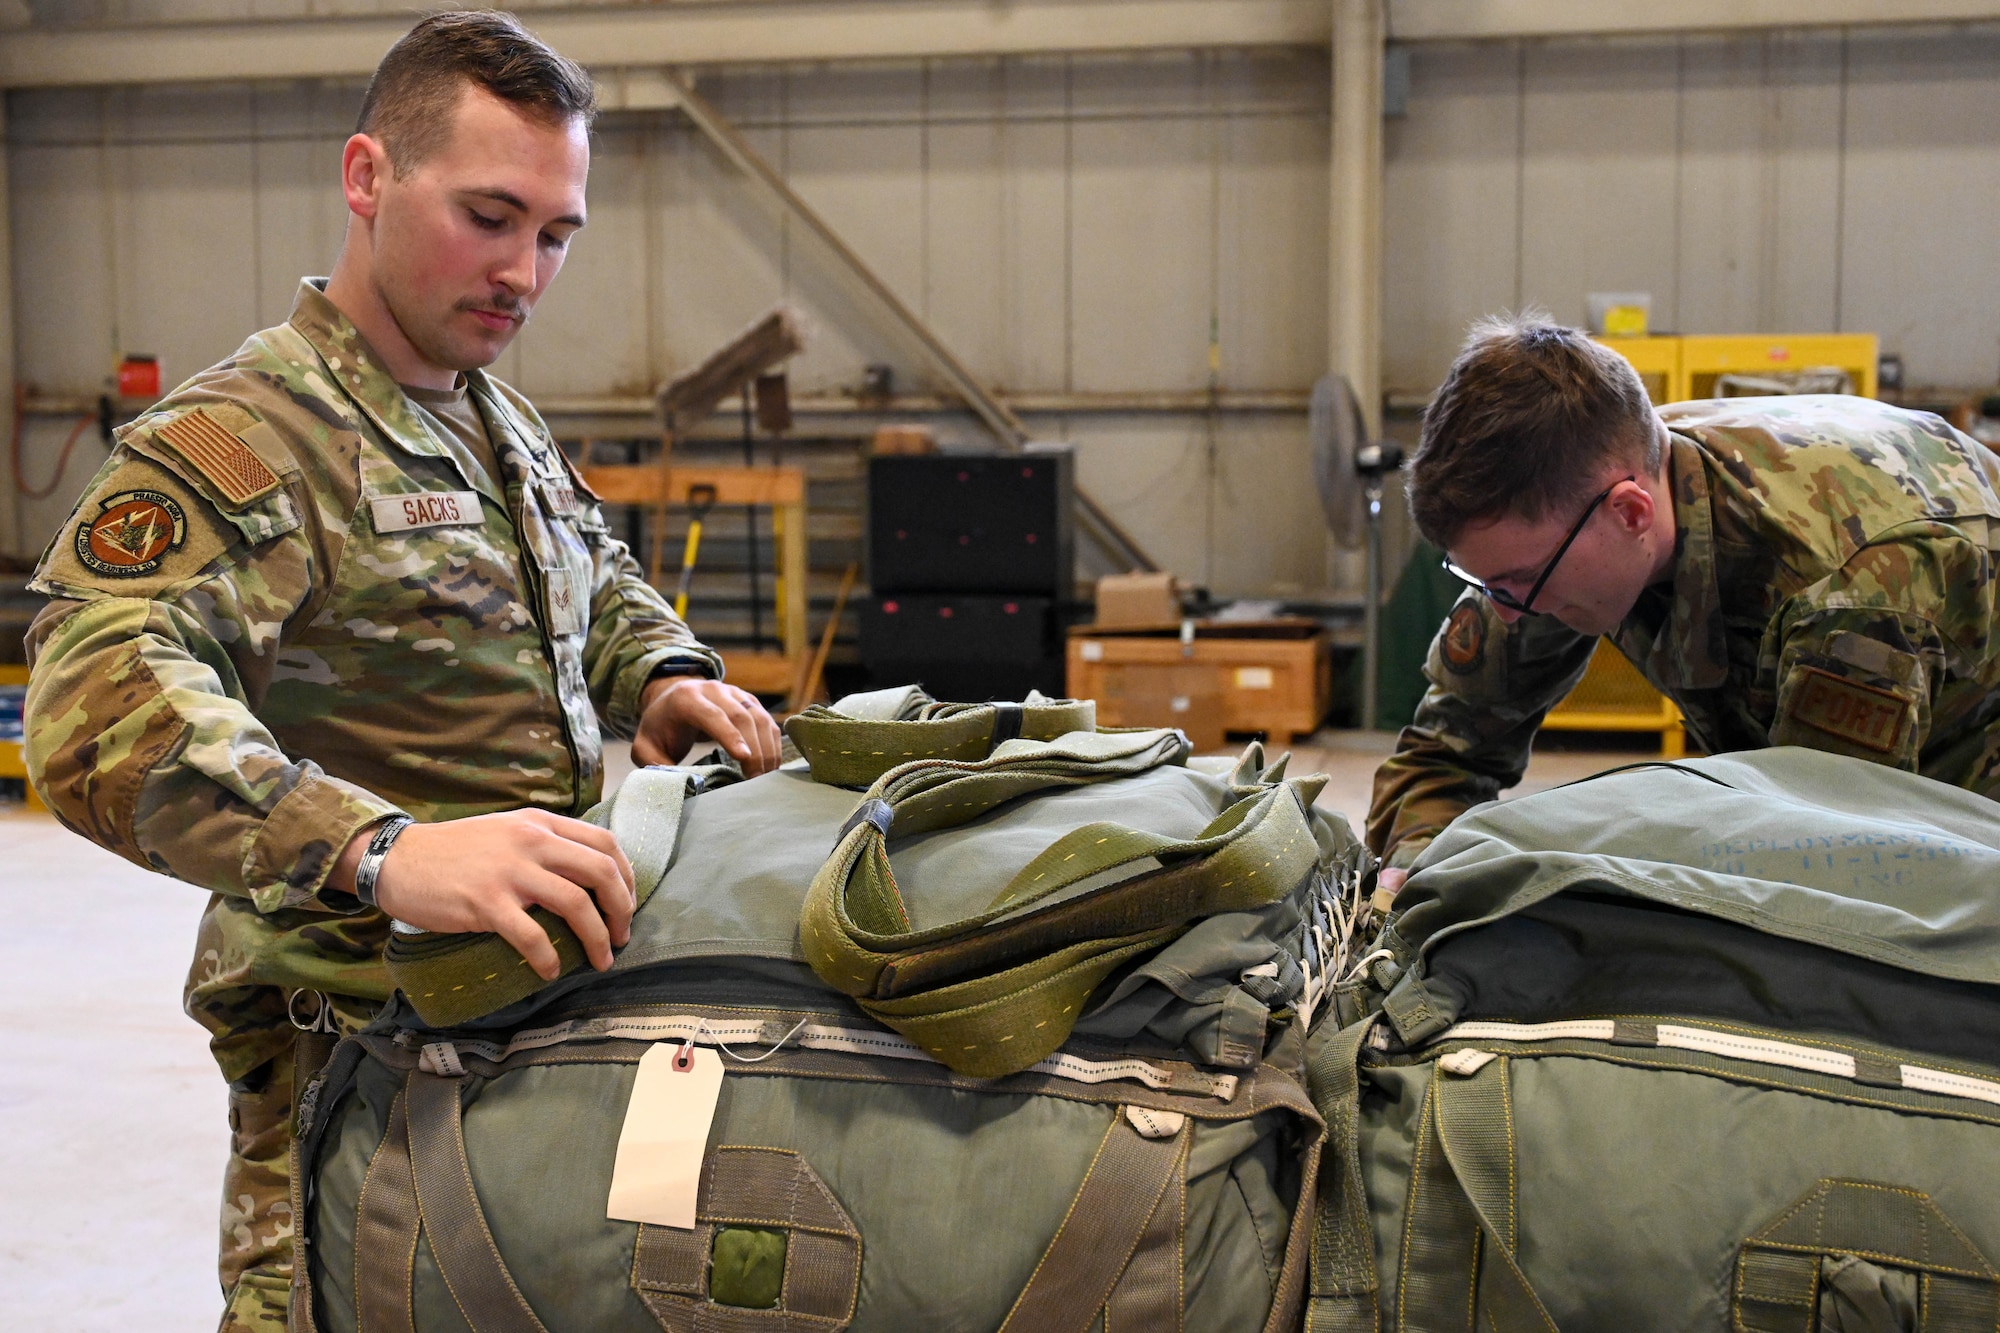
[(1690, 652), (358, 372)]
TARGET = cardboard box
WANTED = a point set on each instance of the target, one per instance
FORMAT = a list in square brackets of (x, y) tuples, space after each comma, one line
[(1165, 694), (1128, 600), (903, 440)]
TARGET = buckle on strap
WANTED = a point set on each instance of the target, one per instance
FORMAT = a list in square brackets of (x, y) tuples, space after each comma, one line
[(874, 811), (1007, 720)]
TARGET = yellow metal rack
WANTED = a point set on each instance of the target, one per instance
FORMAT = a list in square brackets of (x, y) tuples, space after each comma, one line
[(1613, 696)]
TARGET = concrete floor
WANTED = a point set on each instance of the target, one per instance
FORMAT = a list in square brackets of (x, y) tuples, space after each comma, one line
[(111, 1113)]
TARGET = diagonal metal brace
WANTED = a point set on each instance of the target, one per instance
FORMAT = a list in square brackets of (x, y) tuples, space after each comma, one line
[(1005, 426)]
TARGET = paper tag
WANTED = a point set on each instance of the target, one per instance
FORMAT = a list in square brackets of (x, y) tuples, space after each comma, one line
[(657, 1172), (426, 509), (1255, 678), (1090, 650)]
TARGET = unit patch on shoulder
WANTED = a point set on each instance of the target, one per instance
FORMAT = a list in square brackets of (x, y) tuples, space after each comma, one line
[(230, 465), (1464, 640), (132, 533), (1860, 714)]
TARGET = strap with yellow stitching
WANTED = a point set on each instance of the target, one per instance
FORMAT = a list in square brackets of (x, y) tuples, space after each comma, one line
[(995, 992)]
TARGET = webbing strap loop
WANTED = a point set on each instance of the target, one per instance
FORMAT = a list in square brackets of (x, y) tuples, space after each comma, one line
[(852, 743), (1100, 1236), (453, 1221), (386, 1224), (453, 978), (994, 992), (1344, 1282)]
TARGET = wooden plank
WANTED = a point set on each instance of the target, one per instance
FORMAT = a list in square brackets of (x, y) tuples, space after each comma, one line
[(641, 484)]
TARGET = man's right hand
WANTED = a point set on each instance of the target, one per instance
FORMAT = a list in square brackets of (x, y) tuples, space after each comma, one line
[(485, 872), (1390, 880)]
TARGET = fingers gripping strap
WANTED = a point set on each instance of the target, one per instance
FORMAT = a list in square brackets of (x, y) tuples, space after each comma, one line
[(853, 749), (461, 1243), (1101, 1232), (452, 979), (992, 993)]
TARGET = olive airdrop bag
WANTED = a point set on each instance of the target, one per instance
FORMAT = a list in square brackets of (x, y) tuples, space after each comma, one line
[(1704, 1045), (1013, 1038)]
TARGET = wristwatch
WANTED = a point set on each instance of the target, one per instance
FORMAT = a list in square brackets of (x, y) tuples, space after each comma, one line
[(378, 849)]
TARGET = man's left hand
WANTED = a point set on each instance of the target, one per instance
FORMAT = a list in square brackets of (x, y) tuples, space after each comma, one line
[(676, 711)]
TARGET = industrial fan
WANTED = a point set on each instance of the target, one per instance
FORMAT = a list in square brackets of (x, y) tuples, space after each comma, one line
[(1351, 471)]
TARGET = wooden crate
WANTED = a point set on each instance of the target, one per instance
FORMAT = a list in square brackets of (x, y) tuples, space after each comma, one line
[(1277, 676)]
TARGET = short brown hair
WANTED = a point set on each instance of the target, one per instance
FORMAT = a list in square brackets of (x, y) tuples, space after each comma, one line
[(1524, 422), (410, 100)]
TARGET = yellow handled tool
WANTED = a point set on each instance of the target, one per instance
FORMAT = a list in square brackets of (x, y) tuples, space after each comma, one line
[(701, 499)]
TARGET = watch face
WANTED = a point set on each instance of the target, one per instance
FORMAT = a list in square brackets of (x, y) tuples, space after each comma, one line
[(132, 533)]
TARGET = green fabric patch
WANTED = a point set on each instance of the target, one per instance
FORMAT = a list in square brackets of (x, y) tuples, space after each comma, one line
[(746, 1268)]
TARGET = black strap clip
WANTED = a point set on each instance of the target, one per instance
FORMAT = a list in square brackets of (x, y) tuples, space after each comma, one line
[(1007, 720), (874, 811)]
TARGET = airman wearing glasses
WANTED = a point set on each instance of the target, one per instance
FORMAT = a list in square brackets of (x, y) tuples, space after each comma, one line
[(1815, 571)]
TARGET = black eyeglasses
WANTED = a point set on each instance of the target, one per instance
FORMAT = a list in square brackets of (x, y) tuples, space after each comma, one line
[(1526, 605)]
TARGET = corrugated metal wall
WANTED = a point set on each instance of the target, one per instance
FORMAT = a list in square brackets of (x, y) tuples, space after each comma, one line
[(1074, 225)]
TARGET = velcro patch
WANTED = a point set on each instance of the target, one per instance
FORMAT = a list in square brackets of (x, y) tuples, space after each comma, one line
[(230, 465), (426, 509), (1464, 640), (1860, 714)]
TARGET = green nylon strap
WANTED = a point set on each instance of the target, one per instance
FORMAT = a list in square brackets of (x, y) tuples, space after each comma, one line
[(1460, 1226), (849, 745), (453, 1222), (385, 1233), (1343, 1278), (1102, 1230), (453, 978), (992, 993)]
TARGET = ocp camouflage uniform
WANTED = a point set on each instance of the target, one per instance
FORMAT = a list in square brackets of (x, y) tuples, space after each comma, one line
[(284, 610), (1833, 586)]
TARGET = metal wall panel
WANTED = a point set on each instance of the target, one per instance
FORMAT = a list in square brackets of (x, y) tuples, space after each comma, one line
[(1920, 211), (1075, 224)]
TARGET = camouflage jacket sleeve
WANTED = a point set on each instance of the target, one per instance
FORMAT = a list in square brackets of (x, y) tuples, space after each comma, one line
[(1887, 652), (147, 663), (1490, 684), (633, 632)]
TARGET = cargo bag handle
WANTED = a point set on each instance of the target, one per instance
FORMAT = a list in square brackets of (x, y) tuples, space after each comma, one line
[(992, 993), (454, 978), (1862, 1248), (853, 742)]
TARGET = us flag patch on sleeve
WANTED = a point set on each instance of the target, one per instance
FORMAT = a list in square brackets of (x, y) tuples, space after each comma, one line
[(230, 465)]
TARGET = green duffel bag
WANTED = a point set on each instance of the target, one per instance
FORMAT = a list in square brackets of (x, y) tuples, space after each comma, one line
[(1703, 1045), (1037, 1061)]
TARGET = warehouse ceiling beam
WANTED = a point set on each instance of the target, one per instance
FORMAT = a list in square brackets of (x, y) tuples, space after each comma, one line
[(732, 32), (998, 418), (1459, 20), (716, 32)]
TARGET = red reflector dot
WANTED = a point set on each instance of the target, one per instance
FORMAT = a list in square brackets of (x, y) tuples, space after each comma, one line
[(1011, 607), (944, 613), (902, 535), (1030, 539), (965, 476), (891, 608), (1027, 472), (965, 541)]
